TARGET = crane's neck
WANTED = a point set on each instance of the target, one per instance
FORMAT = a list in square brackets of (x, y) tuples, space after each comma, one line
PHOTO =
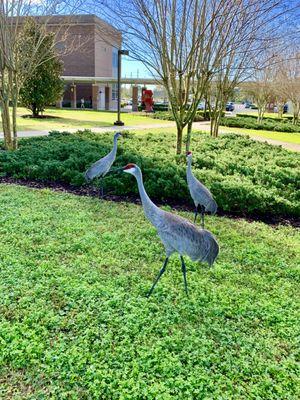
[(114, 149), (189, 172), (150, 209)]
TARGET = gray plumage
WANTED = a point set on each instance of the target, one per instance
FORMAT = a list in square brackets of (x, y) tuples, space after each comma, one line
[(176, 233), (199, 193), (101, 167)]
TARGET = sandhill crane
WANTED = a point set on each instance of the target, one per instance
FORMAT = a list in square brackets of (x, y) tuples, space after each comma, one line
[(101, 167), (202, 197), (176, 233)]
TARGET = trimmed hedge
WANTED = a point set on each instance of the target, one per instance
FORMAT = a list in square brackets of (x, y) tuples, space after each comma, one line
[(268, 124), (285, 117), (157, 107), (168, 116), (245, 176)]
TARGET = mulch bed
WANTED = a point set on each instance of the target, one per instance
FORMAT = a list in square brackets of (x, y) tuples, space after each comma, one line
[(91, 191)]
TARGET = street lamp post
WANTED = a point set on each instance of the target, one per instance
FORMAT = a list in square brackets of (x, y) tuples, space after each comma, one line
[(120, 54)]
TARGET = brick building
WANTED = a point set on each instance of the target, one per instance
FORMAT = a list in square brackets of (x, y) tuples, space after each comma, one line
[(89, 48)]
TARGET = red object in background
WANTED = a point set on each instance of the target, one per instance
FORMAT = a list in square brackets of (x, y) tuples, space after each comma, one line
[(147, 99)]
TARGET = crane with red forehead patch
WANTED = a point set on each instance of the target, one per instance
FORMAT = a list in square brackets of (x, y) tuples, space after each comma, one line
[(203, 199), (176, 233)]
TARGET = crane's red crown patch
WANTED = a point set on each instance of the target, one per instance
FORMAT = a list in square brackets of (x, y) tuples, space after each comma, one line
[(188, 153), (128, 166)]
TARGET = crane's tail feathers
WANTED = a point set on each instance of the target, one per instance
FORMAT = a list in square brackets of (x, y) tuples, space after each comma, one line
[(213, 253), (87, 176), (212, 207)]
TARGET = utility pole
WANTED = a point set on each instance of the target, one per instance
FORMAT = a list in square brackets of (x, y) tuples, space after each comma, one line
[(120, 53)]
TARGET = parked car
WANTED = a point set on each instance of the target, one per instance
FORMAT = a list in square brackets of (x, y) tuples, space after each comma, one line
[(201, 106), (248, 105), (229, 106), (285, 109)]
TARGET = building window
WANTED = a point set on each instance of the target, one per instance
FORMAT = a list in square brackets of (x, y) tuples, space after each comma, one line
[(115, 58), (114, 62), (114, 92)]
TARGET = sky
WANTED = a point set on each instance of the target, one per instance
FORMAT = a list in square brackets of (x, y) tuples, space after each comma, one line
[(132, 68)]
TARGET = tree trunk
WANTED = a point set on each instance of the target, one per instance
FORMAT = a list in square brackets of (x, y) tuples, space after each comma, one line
[(189, 135), (214, 132), (215, 122), (8, 144), (14, 124), (35, 112), (14, 98), (296, 113), (216, 126), (179, 139), (261, 112), (259, 115)]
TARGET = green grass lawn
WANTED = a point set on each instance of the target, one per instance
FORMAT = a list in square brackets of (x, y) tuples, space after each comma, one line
[(75, 322), (281, 136), (81, 119)]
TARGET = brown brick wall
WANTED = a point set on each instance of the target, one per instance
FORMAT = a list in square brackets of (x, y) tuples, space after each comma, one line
[(79, 59)]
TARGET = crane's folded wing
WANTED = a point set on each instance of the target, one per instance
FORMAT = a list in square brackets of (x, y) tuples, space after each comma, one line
[(99, 168)]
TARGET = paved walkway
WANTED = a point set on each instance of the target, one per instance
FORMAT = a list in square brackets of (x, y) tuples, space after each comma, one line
[(204, 126)]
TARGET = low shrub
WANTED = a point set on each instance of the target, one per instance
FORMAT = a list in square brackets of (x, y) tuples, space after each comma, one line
[(285, 117), (168, 116), (157, 107), (268, 124), (245, 176)]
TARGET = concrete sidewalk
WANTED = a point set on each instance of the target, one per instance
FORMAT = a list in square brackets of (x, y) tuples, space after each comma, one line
[(100, 129), (203, 126)]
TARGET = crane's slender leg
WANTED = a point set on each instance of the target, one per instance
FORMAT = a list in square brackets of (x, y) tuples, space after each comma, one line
[(202, 216), (101, 192), (183, 267), (196, 213), (158, 276)]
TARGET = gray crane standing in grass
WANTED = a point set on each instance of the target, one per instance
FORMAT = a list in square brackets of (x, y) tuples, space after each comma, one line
[(176, 233), (203, 199), (101, 167)]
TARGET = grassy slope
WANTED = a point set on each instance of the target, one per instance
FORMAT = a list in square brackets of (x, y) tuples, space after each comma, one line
[(281, 136), (75, 323), (76, 119)]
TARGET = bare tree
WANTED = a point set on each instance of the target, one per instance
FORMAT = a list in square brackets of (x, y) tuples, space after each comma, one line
[(177, 41), (280, 95), (293, 72), (19, 57), (186, 44), (261, 89), (252, 39), (287, 83)]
